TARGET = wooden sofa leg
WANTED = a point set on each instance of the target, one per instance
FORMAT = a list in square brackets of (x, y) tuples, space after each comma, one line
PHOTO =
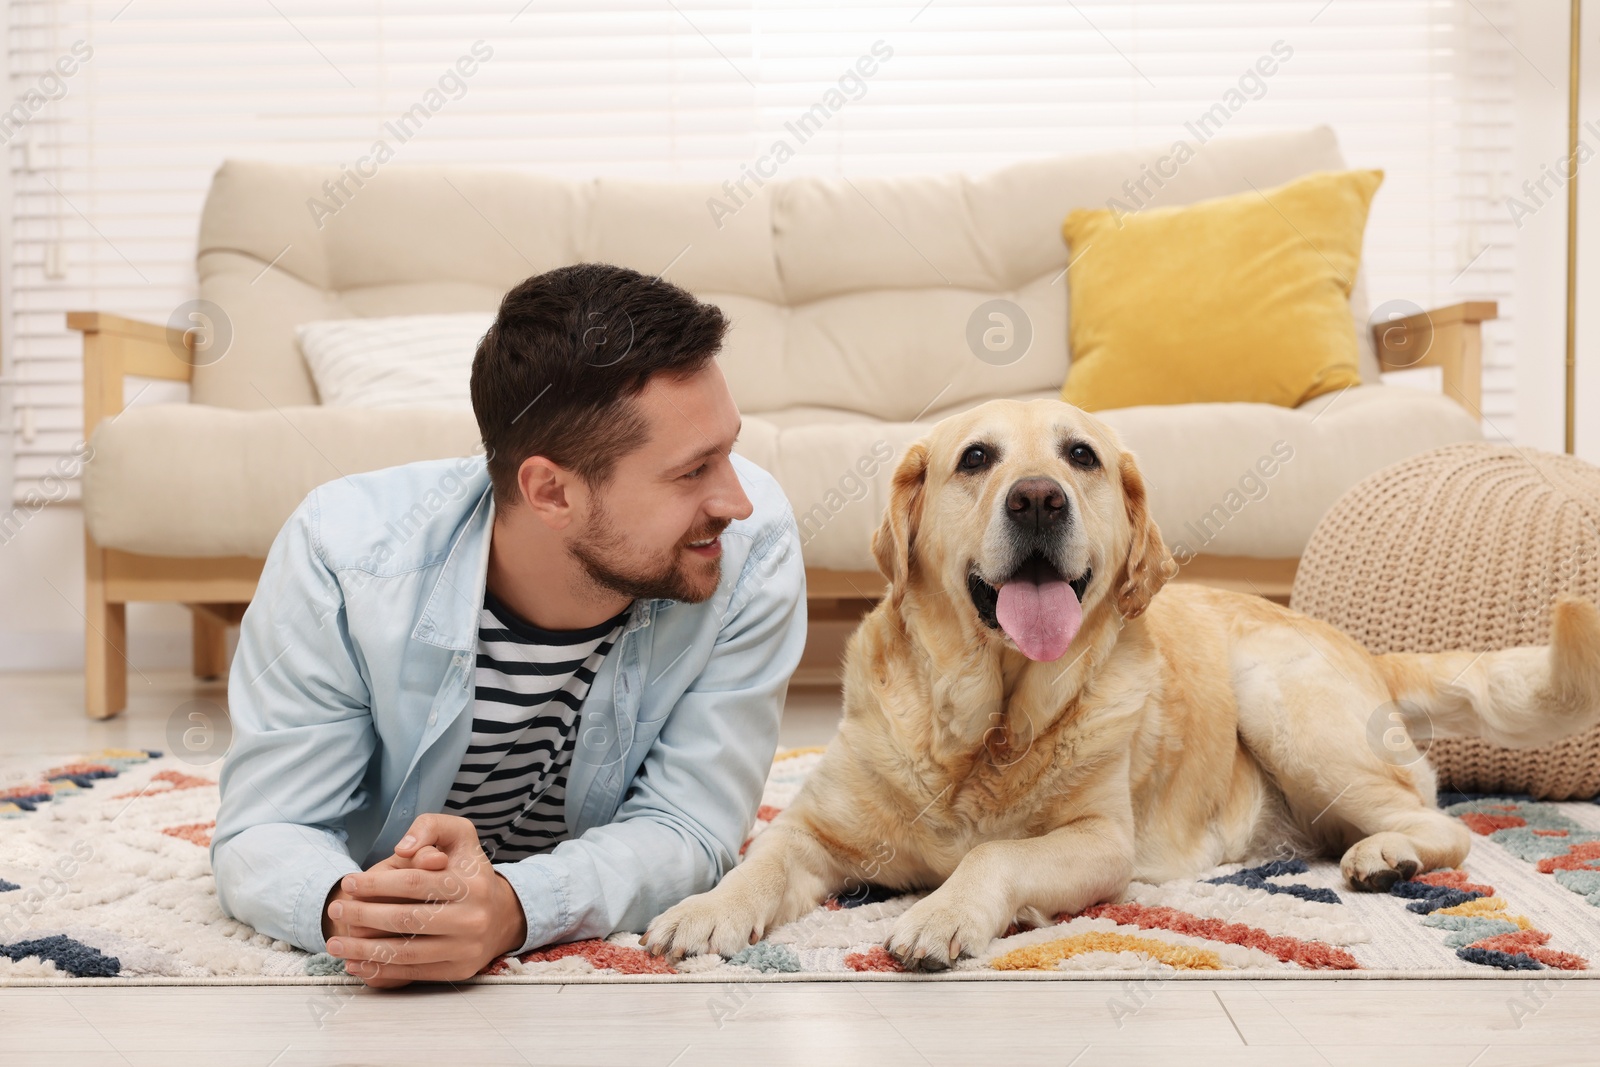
[(210, 644), (105, 662)]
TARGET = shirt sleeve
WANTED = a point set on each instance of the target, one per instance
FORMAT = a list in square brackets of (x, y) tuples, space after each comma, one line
[(302, 741), (679, 829)]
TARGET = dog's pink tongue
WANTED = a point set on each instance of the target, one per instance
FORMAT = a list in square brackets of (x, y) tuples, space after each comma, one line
[(1041, 618)]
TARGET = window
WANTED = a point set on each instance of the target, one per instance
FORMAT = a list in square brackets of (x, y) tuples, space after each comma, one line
[(107, 176)]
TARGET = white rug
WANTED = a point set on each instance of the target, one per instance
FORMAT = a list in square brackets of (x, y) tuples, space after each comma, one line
[(105, 878)]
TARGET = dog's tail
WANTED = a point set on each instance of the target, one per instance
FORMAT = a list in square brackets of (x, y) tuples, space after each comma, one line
[(1517, 697)]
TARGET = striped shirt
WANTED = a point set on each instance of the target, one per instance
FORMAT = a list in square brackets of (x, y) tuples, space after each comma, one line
[(530, 683)]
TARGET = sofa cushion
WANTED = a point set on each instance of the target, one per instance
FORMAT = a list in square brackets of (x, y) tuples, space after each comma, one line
[(243, 473), (853, 293)]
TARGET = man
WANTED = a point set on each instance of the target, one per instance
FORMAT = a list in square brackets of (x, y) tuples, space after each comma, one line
[(483, 705)]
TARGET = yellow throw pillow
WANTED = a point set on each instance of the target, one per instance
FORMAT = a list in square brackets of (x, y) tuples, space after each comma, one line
[(1244, 297)]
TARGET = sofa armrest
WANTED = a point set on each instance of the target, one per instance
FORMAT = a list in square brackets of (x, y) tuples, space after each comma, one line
[(115, 348), (1449, 338)]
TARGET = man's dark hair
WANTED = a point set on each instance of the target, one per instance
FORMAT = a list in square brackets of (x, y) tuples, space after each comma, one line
[(557, 373)]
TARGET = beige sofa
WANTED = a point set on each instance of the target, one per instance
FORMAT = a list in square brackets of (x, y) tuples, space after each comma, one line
[(851, 301)]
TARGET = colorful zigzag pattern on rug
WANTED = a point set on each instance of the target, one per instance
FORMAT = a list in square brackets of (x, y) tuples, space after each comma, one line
[(1538, 832), (69, 778), (1482, 928)]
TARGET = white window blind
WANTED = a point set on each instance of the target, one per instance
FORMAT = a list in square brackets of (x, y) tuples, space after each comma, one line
[(107, 176)]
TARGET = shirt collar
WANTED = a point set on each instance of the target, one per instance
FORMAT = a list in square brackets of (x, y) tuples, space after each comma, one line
[(450, 617)]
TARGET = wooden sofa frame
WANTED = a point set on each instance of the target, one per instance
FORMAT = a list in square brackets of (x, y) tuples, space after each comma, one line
[(217, 589)]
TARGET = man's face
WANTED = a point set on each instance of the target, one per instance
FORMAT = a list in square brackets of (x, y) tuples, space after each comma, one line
[(652, 529)]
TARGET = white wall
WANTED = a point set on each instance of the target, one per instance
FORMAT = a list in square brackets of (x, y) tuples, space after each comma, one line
[(1541, 140), (41, 603), (1588, 391), (1541, 31)]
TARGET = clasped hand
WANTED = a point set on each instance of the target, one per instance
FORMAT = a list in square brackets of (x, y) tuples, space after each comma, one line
[(435, 910)]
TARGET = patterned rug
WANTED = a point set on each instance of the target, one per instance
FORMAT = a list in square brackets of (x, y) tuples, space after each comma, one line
[(105, 878)]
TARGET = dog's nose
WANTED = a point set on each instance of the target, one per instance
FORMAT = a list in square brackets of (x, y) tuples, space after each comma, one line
[(1036, 503)]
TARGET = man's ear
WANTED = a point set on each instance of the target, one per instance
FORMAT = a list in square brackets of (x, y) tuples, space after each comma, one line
[(1148, 565), (893, 543), (546, 489)]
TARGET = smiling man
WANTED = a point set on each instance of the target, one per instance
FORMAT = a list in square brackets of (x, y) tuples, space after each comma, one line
[(481, 706)]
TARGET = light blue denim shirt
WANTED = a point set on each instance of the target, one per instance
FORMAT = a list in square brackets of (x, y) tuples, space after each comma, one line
[(352, 688)]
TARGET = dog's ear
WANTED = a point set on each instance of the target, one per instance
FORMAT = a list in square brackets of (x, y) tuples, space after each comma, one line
[(893, 543), (1148, 565)]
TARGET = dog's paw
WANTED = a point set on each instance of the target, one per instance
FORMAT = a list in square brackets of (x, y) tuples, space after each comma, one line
[(936, 932), (1375, 863), (720, 922)]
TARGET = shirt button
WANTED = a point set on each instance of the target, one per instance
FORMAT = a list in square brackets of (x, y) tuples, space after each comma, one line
[(433, 717)]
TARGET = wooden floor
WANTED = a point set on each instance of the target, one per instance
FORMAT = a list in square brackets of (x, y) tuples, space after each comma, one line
[(1467, 1023)]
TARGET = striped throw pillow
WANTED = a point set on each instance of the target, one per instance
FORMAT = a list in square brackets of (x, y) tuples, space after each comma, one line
[(402, 361)]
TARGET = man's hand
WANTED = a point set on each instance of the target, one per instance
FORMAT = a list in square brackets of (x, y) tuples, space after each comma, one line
[(435, 911), (334, 923)]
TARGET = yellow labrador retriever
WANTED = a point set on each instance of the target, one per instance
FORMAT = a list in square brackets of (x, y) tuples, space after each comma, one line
[(1028, 726)]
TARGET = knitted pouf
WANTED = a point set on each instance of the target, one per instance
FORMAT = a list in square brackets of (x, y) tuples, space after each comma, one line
[(1465, 547)]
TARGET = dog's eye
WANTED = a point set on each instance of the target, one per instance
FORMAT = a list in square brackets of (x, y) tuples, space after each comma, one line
[(1083, 456), (975, 458)]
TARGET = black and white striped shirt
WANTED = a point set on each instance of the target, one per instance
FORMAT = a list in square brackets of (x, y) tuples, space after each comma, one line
[(530, 683)]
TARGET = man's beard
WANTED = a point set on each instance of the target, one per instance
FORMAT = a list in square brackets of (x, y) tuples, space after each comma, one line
[(668, 577)]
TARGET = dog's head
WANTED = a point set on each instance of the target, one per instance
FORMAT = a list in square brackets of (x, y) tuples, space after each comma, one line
[(1027, 516)]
